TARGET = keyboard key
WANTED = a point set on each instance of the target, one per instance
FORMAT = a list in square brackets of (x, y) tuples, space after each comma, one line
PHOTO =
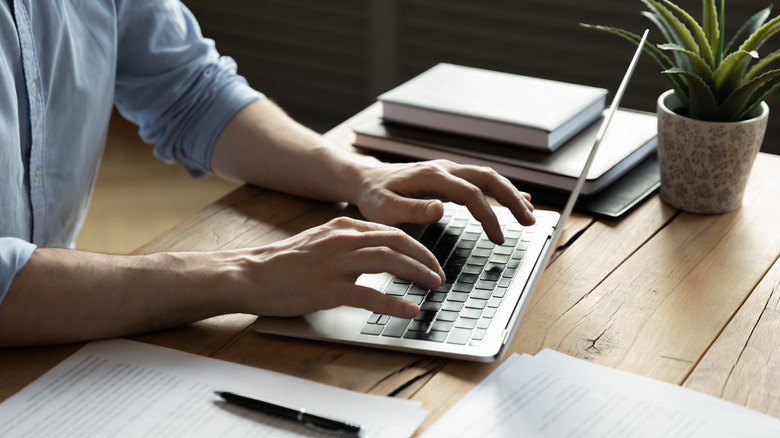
[(372, 329), (497, 258), (396, 327), (482, 252), (459, 336), (479, 334), (444, 288), (374, 318), (504, 250), (416, 299), (417, 290), (442, 326), (462, 287), (436, 297), (472, 269), (452, 306), (466, 244), (431, 234), (482, 294), (419, 326), (485, 244), (471, 313), (468, 278), (430, 306), (499, 292), (494, 302), (485, 285), (470, 236), (397, 290), (466, 323), (484, 323), (475, 303), (489, 312), (460, 297), (491, 275), (445, 315), (434, 336), (480, 261), (425, 315)]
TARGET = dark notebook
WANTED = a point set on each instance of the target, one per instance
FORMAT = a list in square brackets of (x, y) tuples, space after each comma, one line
[(631, 140)]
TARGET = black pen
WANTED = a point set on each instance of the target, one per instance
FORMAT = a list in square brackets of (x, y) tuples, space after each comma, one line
[(317, 422)]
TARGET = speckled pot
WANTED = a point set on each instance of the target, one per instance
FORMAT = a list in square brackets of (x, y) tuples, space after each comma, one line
[(705, 165)]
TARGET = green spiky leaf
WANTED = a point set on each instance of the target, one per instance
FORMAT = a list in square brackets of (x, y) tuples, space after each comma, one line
[(759, 37), (761, 65), (747, 95), (698, 65), (711, 28), (669, 35), (682, 36), (702, 104), (705, 50), (729, 75), (749, 28)]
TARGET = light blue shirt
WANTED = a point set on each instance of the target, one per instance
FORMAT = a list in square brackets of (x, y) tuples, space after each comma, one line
[(63, 65)]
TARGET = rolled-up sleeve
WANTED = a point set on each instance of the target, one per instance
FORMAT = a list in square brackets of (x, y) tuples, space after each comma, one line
[(14, 254), (173, 83)]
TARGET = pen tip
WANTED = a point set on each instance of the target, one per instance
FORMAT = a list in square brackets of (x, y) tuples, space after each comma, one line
[(219, 393)]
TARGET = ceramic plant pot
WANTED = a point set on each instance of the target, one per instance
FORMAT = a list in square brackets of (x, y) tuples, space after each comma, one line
[(705, 165)]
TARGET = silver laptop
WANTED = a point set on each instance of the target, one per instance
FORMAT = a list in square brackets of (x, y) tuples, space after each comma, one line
[(475, 314)]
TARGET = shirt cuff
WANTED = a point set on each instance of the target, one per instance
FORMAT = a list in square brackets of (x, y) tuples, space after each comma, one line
[(14, 254)]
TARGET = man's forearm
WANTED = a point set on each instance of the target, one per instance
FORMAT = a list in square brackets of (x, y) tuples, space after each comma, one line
[(65, 296), (261, 145)]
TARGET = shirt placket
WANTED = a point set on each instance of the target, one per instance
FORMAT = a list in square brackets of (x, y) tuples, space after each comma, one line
[(36, 171)]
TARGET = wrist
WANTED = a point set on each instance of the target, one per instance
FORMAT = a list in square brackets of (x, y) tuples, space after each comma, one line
[(355, 177)]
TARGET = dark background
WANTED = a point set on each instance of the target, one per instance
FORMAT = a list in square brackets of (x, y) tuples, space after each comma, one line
[(324, 60)]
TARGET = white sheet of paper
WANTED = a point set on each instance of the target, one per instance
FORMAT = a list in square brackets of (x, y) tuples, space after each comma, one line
[(556, 395), (122, 388)]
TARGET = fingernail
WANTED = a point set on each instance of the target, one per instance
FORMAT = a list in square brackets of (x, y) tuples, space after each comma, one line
[(430, 212)]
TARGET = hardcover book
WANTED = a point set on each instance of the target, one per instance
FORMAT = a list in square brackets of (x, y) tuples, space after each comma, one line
[(522, 110), (630, 139)]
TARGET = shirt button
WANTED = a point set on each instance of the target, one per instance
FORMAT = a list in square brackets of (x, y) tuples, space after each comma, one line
[(34, 87), (37, 175)]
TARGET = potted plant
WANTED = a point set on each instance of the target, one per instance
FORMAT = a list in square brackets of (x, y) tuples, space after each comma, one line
[(712, 122)]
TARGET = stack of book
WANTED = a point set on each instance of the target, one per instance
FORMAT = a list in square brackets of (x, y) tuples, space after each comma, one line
[(536, 132)]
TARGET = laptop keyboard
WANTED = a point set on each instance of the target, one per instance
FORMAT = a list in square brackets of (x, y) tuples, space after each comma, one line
[(478, 272)]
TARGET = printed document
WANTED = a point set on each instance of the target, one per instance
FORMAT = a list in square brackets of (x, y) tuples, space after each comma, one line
[(122, 388), (555, 395)]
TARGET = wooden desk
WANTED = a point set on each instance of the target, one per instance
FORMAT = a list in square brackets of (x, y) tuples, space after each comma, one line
[(689, 299)]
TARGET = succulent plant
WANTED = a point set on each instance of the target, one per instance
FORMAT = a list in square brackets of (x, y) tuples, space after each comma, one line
[(714, 81)]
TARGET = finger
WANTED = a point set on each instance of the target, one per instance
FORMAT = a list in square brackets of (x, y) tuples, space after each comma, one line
[(462, 191), (383, 259), (377, 302), (397, 209), (389, 240), (501, 189)]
